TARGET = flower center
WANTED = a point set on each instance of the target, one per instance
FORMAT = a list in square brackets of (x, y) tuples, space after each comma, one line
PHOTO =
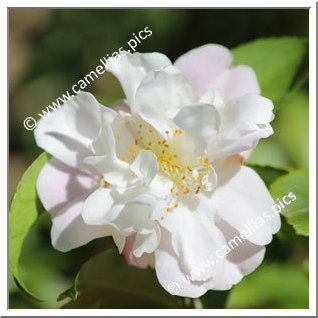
[(176, 159)]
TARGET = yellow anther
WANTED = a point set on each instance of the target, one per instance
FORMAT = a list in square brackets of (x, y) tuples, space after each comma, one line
[(106, 184), (206, 160), (183, 178), (165, 159), (180, 131), (149, 143), (175, 165), (167, 146), (138, 132), (162, 218), (177, 193), (178, 183), (176, 205), (167, 132), (159, 142), (123, 159), (134, 175), (163, 151), (189, 168), (150, 130), (136, 142), (207, 167), (168, 209), (147, 148), (141, 138), (163, 142), (176, 156), (140, 125), (182, 186), (133, 149)]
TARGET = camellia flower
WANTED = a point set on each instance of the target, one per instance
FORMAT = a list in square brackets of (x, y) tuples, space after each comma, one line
[(161, 172)]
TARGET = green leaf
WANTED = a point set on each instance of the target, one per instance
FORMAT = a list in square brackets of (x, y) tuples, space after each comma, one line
[(107, 281), (268, 173), (274, 286), (71, 292), (276, 62), (292, 128), (25, 209), (297, 213)]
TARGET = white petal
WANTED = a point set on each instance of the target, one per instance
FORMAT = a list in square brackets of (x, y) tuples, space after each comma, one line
[(245, 256), (200, 122), (97, 205), (69, 230), (170, 273), (194, 237), (58, 184), (160, 186), (114, 171), (145, 166), (147, 243), (243, 123), (132, 68), (68, 132), (242, 198), (160, 92), (204, 65)]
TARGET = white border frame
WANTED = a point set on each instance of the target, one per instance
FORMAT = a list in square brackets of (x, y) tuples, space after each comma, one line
[(312, 159)]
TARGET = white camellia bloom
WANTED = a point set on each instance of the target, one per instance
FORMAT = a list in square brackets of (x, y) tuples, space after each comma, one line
[(162, 171)]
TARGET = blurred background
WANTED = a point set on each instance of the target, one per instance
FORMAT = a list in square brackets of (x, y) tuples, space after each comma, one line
[(51, 49)]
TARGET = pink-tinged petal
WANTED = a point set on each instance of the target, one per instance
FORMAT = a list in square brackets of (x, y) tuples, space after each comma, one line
[(121, 106), (59, 184), (142, 262), (241, 199), (237, 82), (67, 133), (204, 65), (69, 230), (132, 68)]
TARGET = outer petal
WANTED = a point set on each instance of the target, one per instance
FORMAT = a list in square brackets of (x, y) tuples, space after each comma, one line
[(204, 65), (58, 184), (169, 270), (132, 68), (143, 262), (69, 230), (194, 238), (228, 271), (68, 132), (237, 82), (249, 199), (243, 123)]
